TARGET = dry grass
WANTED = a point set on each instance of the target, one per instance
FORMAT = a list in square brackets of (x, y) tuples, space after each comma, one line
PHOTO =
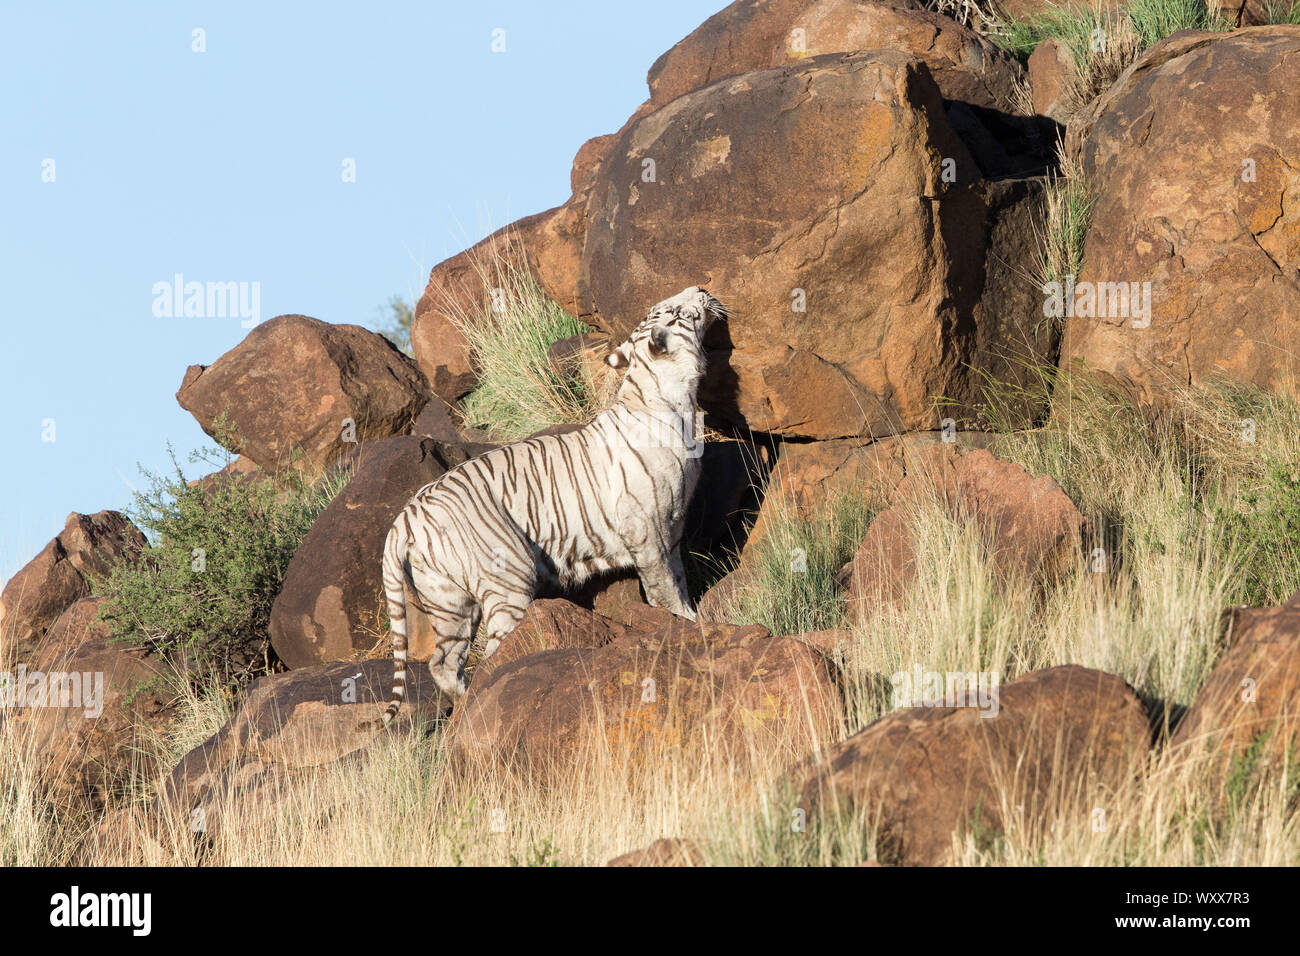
[(1152, 489), (402, 802)]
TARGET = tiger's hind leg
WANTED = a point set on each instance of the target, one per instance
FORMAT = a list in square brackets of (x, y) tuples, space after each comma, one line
[(454, 615), (501, 614)]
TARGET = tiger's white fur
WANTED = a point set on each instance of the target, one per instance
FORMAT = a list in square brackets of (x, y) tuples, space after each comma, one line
[(477, 543)]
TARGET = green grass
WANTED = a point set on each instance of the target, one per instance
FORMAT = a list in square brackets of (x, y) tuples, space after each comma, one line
[(1265, 523), (1281, 13), (1102, 41), (787, 581), (1153, 20), (1074, 26), (518, 392), (1067, 212)]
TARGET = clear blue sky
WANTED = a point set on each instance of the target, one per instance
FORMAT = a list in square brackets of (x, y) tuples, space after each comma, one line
[(226, 165)]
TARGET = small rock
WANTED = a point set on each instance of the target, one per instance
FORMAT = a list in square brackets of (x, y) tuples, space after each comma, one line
[(663, 852)]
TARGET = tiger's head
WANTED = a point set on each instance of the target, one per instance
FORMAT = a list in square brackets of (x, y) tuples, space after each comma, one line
[(672, 335)]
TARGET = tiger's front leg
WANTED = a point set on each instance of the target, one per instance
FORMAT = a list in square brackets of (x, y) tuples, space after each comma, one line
[(664, 578)]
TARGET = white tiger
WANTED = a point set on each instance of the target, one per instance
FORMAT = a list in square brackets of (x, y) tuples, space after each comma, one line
[(476, 544)]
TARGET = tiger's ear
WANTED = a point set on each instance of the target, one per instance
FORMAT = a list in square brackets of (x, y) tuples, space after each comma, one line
[(617, 358), (658, 340)]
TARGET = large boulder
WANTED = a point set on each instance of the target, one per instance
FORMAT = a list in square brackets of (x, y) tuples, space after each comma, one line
[(330, 607), (860, 227), (90, 710), (644, 694), (299, 385), (1061, 743), (1247, 716), (290, 725), (46, 586), (552, 624), (749, 36), (1191, 157), (1032, 528), (979, 81)]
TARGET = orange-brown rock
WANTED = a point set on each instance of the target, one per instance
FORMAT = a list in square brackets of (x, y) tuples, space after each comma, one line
[(642, 695), (1062, 743), (297, 385), (1030, 525), (669, 851), (88, 710), (1191, 156), (1052, 73), (48, 585), (1248, 712), (552, 624), (858, 226), (810, 477), (289, 725), (749, 36)]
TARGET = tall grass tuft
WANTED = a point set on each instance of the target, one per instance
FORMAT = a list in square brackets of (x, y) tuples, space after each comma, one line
[(1283, 13), (787, 582), (1153, 20), (509, 333), (1067, 211)]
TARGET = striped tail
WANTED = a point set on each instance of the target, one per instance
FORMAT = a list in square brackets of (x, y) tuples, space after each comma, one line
[(395, 576)]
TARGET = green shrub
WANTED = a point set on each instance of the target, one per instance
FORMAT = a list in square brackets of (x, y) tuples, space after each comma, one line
[(203, 588)]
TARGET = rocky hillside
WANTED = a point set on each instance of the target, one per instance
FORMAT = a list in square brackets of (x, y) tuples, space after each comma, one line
[(997, 548)]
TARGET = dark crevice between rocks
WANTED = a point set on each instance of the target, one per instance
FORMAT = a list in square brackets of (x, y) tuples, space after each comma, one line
[(1006, 145)]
